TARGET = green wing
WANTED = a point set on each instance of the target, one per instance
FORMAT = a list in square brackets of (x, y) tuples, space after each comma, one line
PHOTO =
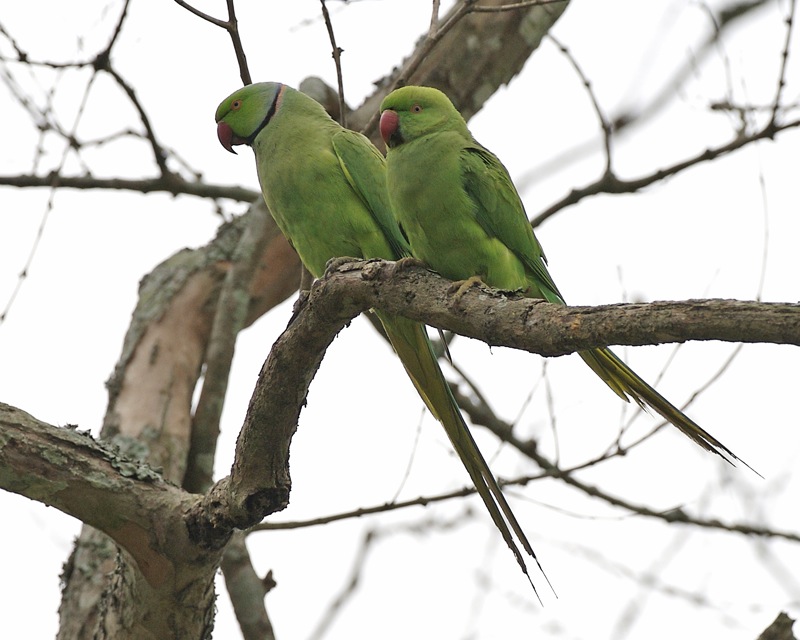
[(500, 213), (364, 167)]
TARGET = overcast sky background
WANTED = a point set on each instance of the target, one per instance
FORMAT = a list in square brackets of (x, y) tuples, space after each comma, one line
[(701, 234)]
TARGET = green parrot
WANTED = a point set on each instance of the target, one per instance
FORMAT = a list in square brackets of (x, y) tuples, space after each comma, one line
[(456, 204), (326, 188)]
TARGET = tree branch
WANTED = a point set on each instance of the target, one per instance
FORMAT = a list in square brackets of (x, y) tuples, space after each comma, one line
[(169, 183), (259, 483), (89, 480), (129, 502), (508, 319), (609, 182)]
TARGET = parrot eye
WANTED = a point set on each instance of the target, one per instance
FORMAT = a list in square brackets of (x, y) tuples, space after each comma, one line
[(236, 105), (416, 108)]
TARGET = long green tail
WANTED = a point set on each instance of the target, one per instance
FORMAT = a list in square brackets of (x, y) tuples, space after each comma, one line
[(411, 343), (626, 384)]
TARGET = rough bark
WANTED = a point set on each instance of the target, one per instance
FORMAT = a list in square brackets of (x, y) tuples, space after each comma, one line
[(162, 570), (506, 318), (780, 629)]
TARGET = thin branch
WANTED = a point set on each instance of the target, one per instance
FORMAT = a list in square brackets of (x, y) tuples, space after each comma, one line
[(605, 124), (549, 329), (784, 61), (71, 144), (386, 507), (610, 183), (200, 14), (159, 155), (434, 25), (352, 582), (347, 590), (231, 25), (116, 33), (238, 47), (170, 183), (336, 54), (54, 185), (671, 516), (628, 118), (515, 5)]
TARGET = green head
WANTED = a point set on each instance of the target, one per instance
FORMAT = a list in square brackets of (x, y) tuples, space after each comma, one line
[(411, 112), (243, 114)]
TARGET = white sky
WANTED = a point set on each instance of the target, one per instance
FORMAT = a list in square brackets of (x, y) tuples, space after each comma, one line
[(701, 234)]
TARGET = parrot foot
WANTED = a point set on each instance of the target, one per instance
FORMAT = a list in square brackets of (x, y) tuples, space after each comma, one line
[(460, 287), (335, 265), (409, 261)]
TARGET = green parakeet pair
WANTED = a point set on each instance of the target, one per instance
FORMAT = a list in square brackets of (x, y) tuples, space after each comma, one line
[(326, 188), (445, 199)]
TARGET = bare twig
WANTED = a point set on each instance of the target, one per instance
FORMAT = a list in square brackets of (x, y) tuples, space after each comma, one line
[(515, 5), (231, 25), (171, 183), (238, 47), (776, 106), (610, 183), (421, 501), (627, 119), (70, 146), (336, 54), (370, 537), (348, 589), (159, 155), (605, 125), (671, 516)]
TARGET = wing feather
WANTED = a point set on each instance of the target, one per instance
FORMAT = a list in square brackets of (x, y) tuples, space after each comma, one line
[(362, 165), (500, 213)]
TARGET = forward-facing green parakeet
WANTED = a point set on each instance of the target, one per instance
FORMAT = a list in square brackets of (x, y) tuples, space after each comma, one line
[(326, 188), (457, 206)]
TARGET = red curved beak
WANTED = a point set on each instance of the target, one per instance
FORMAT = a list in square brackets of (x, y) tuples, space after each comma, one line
[(226, 136), (388, 125)]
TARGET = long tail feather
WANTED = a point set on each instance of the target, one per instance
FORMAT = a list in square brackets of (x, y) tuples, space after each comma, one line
[(628, 385), (410, 341)]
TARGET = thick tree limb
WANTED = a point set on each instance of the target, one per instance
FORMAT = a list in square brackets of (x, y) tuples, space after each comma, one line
[(131, 504), (780, 629), (69, 470), (259, 483), (508, 319)]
